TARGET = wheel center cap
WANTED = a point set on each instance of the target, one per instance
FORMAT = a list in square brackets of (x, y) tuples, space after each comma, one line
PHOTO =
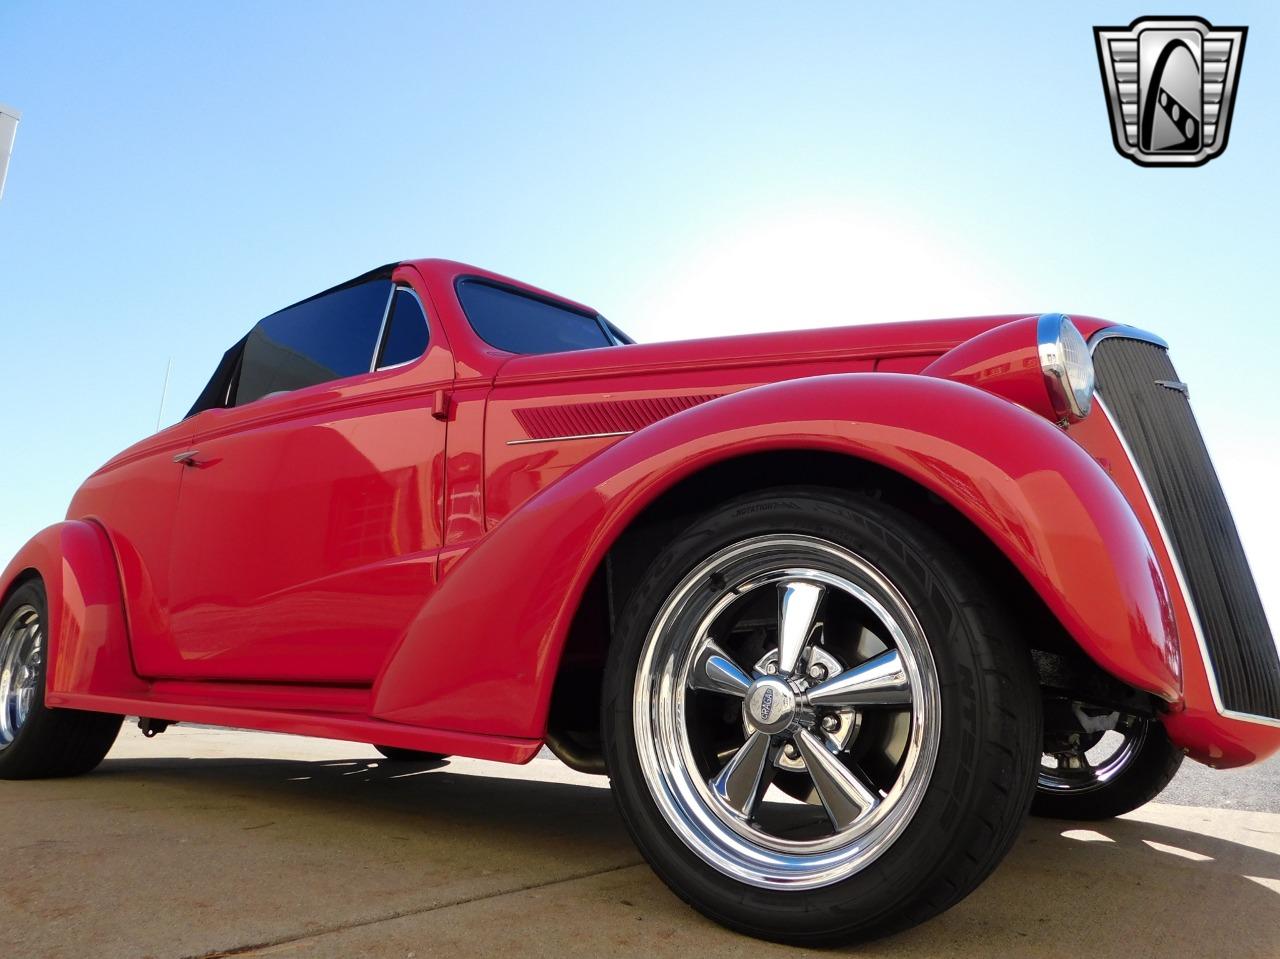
[(770, 705)]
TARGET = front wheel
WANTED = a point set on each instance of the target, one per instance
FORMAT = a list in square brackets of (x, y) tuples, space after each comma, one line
[(818, 725), (1106, 774)]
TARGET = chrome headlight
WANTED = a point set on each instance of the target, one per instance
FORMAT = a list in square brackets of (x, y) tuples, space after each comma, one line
[(1067, 366)]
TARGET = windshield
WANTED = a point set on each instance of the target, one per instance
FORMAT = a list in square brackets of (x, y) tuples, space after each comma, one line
[(521, 323)]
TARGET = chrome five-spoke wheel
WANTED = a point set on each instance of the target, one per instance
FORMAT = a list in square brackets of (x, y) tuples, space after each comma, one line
[(21, 646), (818, 723), (788, 713)]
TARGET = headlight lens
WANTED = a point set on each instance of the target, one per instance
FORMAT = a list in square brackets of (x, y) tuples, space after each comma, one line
[(1067, 366)]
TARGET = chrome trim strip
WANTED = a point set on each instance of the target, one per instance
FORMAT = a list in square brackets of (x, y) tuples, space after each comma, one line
[(1177, 567), (1249, 717), (576, 436), (386, 320), (1126, 333), (382, 329)]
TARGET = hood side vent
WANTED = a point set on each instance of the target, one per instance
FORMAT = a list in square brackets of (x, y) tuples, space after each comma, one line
[(604, 418)]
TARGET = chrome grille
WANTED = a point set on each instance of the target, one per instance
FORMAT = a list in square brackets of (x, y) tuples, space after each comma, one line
[(1149, 406)]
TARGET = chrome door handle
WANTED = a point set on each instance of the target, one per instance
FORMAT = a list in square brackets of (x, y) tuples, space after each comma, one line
[(186, 457)]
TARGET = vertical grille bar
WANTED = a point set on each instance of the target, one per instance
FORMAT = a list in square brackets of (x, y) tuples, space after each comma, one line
[(1149, 405)]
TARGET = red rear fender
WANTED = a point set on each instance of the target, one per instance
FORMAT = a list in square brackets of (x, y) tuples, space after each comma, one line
[(87, 633)]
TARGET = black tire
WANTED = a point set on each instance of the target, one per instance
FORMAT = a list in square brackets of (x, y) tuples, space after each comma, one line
[(981, 786), (50, 743), (397, 755), (1148, 770)]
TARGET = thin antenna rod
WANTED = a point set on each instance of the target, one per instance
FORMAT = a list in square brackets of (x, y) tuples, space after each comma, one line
[(164, 392)]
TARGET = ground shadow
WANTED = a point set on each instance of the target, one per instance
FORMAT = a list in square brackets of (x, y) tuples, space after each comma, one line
[(1123, 888), (419, 798)]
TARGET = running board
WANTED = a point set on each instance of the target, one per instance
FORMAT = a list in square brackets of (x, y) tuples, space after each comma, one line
[(319, 724)]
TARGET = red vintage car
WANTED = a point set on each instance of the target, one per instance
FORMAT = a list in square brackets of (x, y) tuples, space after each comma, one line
[(832, 608)]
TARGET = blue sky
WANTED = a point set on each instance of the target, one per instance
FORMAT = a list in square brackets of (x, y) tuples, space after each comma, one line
[(183, 169)]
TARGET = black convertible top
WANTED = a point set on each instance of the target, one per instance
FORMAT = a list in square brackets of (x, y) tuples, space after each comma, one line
[(215, 393)]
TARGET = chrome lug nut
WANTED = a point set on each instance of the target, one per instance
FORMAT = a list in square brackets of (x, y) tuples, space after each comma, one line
[(830, 723), (791, 751), (772, 669), (817, 672)]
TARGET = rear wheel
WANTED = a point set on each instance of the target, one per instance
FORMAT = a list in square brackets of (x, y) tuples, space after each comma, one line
[(36, 741), (397, 755), (1101, 775), (818, 725)]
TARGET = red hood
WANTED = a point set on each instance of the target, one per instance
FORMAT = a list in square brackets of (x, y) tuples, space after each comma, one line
[(871, 341)]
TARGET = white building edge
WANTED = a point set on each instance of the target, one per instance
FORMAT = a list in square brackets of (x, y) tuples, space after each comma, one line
[(9, 118)]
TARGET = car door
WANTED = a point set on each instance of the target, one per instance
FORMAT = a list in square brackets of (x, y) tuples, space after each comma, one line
[(310, 520), (134, 497)]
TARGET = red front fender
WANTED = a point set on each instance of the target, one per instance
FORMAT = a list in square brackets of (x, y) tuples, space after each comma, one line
[(87, 635), (482, 655)]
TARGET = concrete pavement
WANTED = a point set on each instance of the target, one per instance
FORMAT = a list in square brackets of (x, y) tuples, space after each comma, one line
[(210, 843)]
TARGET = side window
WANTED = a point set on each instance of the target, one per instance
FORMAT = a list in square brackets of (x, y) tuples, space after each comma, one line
[(523, 324), (406, 336), (321, 339)]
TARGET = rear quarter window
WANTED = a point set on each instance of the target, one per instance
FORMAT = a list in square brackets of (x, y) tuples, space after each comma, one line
[(518, 323)]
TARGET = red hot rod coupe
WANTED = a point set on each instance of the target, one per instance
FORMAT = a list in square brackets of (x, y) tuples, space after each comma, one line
[(833, 608)]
